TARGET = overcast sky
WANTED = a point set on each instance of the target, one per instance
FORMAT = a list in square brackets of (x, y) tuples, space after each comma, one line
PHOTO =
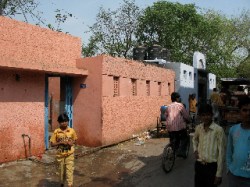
[(85, 11)]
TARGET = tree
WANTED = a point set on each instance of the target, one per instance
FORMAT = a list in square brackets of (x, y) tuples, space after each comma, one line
[(173, 26), (113, 31), (92, 48), (243, 70), (232, 45), (28, 9), (182, 30), (14, 7)]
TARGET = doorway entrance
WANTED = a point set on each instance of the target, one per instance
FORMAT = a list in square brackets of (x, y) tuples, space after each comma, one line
[(58, 100)]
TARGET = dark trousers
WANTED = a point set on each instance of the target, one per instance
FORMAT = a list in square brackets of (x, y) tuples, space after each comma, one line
[(178, 139), (205, 174)]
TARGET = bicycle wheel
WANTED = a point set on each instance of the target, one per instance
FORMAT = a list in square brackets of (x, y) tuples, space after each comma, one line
[(187, 148), (168, 158)]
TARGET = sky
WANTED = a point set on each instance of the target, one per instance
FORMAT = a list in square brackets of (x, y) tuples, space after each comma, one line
[(84, 11)]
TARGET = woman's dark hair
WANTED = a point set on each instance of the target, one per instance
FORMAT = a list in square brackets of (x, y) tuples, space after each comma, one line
[(205, 109), (175, 96), (63, 118)]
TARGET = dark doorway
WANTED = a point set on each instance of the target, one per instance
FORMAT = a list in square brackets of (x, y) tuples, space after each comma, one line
[(58, 99)]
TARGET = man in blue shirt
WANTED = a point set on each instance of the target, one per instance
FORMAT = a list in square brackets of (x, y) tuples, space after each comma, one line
[(238, 148)]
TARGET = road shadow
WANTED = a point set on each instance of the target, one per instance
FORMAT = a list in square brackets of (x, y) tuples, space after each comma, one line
[(151, 174), (47, 183)]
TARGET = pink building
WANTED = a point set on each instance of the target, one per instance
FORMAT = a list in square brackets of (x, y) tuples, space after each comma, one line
[(42, 74)]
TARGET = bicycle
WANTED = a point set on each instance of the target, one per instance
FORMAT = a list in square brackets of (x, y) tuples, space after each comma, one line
[(169, 153)]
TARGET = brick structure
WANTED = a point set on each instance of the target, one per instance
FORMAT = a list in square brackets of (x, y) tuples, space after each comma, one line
[(121, 96), (109, 118)]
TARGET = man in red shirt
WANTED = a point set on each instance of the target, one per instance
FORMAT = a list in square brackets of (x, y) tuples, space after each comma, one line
[(176, 119)]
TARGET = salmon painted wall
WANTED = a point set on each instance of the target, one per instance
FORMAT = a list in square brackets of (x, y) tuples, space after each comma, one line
[(126, 114), (87, 103), (31, 47), (105, 119), (27, 52), (21, 112)]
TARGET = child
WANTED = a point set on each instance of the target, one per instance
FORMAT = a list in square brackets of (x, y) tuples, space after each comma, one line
[(209, 149), (64, 138)]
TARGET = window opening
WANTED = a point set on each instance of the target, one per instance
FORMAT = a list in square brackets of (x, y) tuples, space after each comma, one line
[(116, 86), (134, 89), (159, 88), (148, 88)]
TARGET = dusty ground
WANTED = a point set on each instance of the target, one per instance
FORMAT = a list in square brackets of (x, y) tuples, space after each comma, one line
[(111, 166)]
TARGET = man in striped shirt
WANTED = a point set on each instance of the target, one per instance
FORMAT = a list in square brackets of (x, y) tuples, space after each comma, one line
[(209, 149), (176, 118)]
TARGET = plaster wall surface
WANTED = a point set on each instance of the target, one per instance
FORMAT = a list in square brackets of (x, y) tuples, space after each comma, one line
[(21, 112), (105, 119), (88, 102), (199, 60), (185, 80), (127, 114), (30, 47), (211, 84)]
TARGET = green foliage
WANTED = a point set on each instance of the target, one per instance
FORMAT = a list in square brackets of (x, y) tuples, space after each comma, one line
[(173, 26), (243, 70), (60, 18), (113, 31), (28, 9), (92, 48), (182, 30), (23, 7)]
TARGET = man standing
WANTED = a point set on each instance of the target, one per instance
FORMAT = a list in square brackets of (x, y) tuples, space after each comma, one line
[(216, 101), (209, 150), (176, 118), (238, 148)]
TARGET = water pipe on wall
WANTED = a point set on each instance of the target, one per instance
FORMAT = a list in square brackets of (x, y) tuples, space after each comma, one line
[(23, 135)]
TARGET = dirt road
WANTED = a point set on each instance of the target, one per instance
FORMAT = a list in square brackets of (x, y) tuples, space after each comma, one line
[(127, 164)]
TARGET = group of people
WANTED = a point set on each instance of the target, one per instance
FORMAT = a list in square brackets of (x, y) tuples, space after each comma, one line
[(209, 143)]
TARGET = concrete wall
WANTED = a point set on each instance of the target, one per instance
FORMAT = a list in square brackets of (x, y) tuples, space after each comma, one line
[(27, 52), (184, 80), (21, 112), (126, 114), (87, 103), (106, 119), (211, 84), (33, 48)]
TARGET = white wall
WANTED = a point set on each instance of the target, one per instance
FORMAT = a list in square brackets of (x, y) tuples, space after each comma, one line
[(184, 80), (211, 83)]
